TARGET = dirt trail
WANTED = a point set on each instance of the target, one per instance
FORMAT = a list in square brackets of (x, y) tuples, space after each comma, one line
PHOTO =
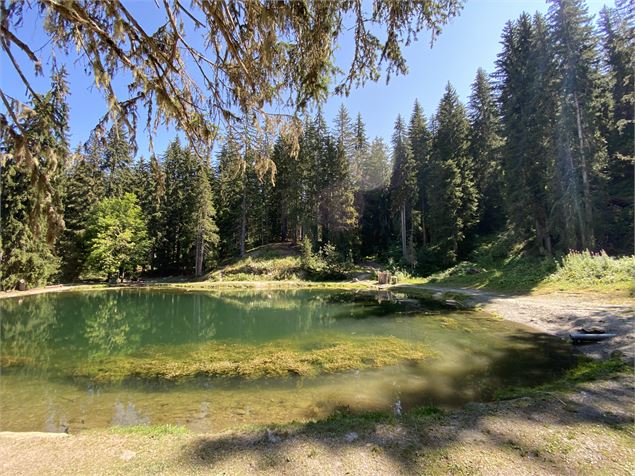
[(560, 314)]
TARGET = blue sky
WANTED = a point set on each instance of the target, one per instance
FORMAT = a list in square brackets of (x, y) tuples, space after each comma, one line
[(470, 41)]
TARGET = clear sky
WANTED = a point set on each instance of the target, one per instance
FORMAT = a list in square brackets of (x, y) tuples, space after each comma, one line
[(470, 41)]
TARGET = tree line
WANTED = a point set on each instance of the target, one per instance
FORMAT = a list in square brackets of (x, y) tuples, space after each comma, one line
[(543, 148)]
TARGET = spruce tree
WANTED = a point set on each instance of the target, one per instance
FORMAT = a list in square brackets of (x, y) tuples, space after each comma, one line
[(485, 152), (403, 184), (618, 44), (580, 152), (420, 142), (117, 160), (454, 204), (31, 191), (527, 95), (83, 189)]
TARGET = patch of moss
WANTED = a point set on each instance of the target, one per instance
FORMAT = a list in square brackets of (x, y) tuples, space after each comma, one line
[(275, 359)]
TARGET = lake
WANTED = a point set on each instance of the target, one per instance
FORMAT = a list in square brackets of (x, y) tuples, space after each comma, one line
[(217, 360)]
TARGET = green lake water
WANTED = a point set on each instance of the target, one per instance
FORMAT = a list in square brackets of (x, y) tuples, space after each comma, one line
[(78, 360)]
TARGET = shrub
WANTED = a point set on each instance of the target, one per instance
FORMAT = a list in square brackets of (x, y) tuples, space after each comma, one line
[(588, 268)]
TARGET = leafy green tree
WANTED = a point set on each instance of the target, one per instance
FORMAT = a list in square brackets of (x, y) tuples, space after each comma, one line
[(117, 237)]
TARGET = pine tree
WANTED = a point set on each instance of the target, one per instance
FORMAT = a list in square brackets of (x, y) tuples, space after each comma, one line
[(420, 141), (376, 169), (30, 195), (229, 193), (360, 153), (338, 216), (580, 150), (148, 184), (117, 162), (527, 97), (345, 135), (188, 227), (618, 44), (455, 203), (204, 219), (83, 189), (485, 148), (403, 184)]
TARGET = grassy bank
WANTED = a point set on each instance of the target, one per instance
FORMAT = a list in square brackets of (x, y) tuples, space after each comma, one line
[(522, 273)]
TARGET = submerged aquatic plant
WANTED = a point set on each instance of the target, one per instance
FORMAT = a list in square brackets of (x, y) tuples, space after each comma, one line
[(275, 359)]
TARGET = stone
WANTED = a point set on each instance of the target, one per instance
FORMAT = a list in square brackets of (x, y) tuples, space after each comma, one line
[(127, 455), (350, 437)]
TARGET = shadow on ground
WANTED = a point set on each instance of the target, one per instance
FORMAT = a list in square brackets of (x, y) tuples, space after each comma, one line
[(546, 432)]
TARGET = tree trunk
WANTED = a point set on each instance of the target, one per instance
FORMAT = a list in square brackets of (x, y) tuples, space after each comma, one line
[(424, 235), (200, 246), (587, 232), (243, 223), (404, 244)]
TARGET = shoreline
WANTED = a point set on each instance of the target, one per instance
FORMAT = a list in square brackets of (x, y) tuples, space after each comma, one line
[(557, 313)]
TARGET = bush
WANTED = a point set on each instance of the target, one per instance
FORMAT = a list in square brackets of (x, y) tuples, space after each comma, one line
[(588, 268)]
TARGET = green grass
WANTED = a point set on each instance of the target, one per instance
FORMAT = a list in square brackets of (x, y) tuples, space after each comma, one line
[(153, 431), (499, 265), (586, 370)]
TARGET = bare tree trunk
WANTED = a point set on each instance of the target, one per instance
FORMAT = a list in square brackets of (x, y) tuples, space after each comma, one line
[(587, 232), (200, 246), (243, 223)]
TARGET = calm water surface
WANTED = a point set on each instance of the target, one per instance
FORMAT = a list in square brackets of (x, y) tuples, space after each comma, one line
[(45, 337)]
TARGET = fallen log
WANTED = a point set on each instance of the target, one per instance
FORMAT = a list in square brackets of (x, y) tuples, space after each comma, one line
[(580, 337)]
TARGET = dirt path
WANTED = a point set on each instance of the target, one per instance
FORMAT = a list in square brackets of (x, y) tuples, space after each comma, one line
[(560, 314)]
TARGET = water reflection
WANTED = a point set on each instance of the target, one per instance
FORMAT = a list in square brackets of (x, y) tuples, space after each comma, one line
[(44, 338)]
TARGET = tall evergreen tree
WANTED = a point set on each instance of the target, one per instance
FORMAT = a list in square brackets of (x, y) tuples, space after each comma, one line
[(420, 141), (454, 205), (117, 160), (403, 184), (30, 195), (580, 150), (618, 44), (376, 168), (527, 98), (485, 149), (188, 228), (83, 189)]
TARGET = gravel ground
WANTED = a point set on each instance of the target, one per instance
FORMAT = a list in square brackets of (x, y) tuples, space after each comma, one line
[(560, 314)]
